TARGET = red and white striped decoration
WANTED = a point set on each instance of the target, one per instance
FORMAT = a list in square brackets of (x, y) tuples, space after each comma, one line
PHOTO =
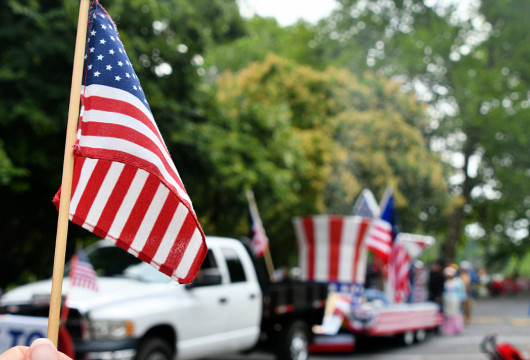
[(398, 274), (398, 319), (331, 248)]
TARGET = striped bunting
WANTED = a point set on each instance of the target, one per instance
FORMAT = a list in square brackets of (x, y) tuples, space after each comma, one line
[(331, 248)]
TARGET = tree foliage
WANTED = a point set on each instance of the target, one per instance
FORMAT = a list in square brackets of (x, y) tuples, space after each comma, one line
[(468, 63), (307, 142)]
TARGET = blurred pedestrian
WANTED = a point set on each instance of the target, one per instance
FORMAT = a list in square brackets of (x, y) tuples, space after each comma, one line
[(436, 283), (467, 304), (453, 296)]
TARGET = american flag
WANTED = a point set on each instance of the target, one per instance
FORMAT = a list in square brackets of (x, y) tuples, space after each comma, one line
[(125, 186), (82, 272), (380, 236), (366, 205), (260, 241), (398, 273), (407, 247)]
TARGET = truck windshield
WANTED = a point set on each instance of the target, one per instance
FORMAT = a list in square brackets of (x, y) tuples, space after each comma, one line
[(112, 261)]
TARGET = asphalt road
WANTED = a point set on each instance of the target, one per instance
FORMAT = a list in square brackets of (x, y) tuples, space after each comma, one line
[(506, 316)]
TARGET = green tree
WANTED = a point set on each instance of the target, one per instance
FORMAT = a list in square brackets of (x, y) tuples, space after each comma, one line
[(469, 65), (307, 142)]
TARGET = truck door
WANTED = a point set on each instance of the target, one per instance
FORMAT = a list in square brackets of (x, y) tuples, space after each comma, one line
[(244, 303), (204, 319)]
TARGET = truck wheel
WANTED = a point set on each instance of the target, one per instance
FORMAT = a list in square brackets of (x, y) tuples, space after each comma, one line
[(154, 349), (292, 342), (407, 338), (420, 335)]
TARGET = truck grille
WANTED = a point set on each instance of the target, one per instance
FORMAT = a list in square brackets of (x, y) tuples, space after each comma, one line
[(74, 323)]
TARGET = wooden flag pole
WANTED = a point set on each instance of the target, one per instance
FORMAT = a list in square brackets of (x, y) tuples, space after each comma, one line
[(255, 215), (68, 168)]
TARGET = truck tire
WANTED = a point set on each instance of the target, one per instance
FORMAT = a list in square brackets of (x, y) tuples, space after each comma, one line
[(420, 336), (154, 349), (292, 342), (407, 338)]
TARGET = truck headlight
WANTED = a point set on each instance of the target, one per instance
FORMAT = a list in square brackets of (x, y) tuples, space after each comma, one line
[(111, 329)]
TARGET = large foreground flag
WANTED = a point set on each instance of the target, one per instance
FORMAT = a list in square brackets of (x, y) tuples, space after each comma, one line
[(125, 186), (380, 236)]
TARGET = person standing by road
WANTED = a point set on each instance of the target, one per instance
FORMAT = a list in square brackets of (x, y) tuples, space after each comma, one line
[(436, 283), (453, 296), (467, 304)]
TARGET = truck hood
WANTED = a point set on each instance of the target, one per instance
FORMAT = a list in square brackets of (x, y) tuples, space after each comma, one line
[(110, 291)]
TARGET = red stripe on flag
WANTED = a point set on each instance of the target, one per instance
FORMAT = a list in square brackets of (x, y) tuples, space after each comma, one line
[(91, 190), (115, 200), (335, 234), (138, 212), (78, 161), (180, 245), (310, 236), (139, 162), (121, 107), (125, 133), (160, 227)]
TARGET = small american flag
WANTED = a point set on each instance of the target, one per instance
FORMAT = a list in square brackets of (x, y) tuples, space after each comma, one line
[(125, 186), (380, 236), (366, 205), (260, 241), (398, 272), (82, 272)]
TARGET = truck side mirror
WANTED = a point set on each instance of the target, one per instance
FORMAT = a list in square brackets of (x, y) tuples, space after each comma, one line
[(206, 277)]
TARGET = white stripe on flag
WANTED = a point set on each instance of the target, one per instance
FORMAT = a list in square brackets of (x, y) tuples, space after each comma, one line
[(122, 215), (189, 255), (115, 93), (128, 147), (106, 189), (171, 234), (105, 117), (86, 172), (150, 218)]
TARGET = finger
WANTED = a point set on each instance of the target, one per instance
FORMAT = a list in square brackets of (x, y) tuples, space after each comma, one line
[(14, 353), (62, 356), (42, 349)]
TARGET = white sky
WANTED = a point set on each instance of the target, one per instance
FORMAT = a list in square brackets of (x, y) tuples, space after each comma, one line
[(287, 12)]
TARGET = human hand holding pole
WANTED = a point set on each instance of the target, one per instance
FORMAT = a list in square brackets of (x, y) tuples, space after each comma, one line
[(40, 349)]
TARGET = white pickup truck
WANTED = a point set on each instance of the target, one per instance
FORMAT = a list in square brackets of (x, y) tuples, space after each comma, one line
[(141, 314)]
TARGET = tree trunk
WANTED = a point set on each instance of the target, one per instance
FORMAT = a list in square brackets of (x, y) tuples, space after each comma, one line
[(456, 219)]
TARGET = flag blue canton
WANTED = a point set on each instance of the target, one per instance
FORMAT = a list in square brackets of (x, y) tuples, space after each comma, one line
[(363, 209), (106, 62)]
